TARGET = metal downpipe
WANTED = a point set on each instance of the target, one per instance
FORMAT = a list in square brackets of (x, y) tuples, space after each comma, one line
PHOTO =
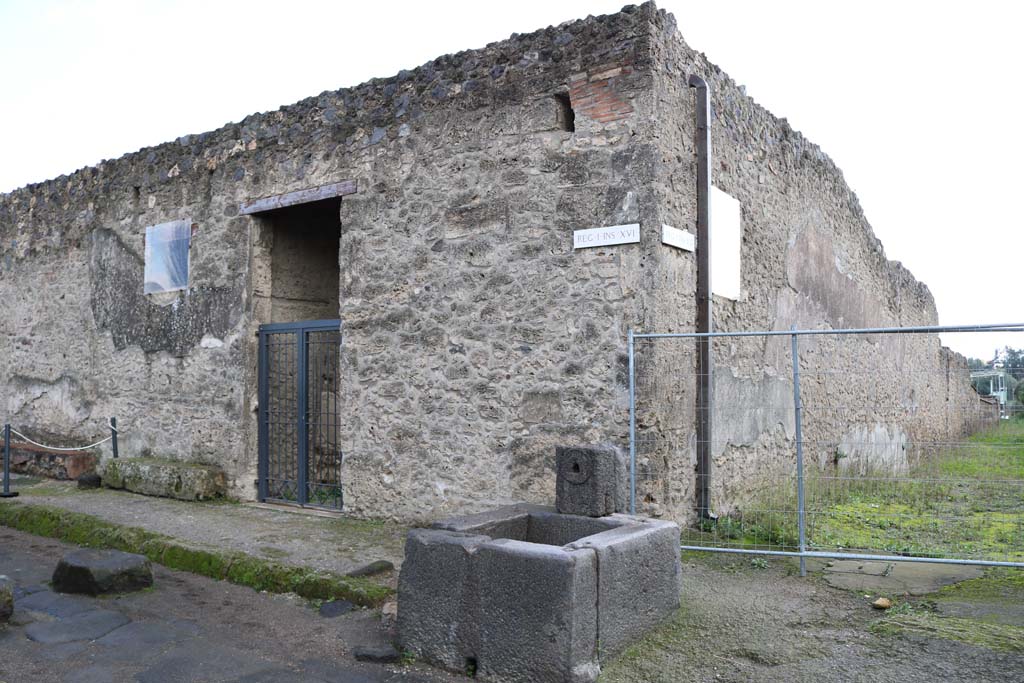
[(705, 361)]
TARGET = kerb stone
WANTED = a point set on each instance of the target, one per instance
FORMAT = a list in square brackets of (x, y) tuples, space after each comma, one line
[(96, 572)]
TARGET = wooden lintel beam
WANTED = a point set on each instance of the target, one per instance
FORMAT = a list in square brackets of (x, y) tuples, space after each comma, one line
[(313, 194)]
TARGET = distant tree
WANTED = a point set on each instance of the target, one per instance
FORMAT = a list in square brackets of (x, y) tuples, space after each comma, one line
[(1019, 393), (1013, 362), (976, 364)]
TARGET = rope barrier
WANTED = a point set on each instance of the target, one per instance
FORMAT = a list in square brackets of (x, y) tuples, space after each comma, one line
[(58, 448), (61, 449)]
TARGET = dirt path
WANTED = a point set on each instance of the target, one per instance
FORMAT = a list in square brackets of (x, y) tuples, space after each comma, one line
[(740, 622)]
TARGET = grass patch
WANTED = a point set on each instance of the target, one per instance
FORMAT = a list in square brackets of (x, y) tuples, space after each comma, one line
[(958, 503), (245, 570)]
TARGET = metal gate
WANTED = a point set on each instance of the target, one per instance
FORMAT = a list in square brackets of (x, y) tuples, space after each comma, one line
[(299, 454)]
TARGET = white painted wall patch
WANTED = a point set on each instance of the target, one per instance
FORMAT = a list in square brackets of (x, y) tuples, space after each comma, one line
[(674, 237), (603, 237)]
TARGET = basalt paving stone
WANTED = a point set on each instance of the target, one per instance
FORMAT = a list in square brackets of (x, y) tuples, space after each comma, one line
[(61, 651), (84, 626), (54, 604), (279, 676), (335, 608), (199, 661), (140, 641), (97, 673), (24, 591)]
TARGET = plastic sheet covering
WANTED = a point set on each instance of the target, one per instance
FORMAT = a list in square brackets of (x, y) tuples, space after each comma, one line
[(167, 246)]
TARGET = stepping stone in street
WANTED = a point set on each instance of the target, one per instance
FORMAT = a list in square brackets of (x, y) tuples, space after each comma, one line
[(96, 572)]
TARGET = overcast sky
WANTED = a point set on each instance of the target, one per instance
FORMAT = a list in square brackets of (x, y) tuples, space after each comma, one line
[(918, 102)]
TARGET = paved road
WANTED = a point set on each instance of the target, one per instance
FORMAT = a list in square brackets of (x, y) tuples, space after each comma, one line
[(187, 628)]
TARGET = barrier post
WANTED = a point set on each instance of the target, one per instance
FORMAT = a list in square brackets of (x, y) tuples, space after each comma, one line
[(7, 493)]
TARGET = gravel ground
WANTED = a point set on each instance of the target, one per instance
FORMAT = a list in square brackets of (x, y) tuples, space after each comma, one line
[(741, 622)]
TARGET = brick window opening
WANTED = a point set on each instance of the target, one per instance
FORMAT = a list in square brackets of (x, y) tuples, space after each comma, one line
[(566, 115)]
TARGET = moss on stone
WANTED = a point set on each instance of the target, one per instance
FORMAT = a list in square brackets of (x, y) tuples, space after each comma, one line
[(246, 570)]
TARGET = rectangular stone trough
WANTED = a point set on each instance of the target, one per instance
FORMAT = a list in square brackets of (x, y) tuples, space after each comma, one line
[(523, 593)]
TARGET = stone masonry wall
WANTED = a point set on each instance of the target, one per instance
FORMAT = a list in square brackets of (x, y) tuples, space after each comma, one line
[(475, 338), (810, 260)]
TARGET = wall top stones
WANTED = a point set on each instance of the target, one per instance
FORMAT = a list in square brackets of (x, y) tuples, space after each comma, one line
[(338, 121)]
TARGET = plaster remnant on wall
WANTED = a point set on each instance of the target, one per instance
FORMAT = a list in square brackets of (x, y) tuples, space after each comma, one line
[(877, 449)]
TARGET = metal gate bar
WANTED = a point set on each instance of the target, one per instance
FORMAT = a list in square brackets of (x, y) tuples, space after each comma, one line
[(801, 541), (298, 366)]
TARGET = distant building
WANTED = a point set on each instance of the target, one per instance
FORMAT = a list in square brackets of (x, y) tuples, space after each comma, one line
[(992, 383)]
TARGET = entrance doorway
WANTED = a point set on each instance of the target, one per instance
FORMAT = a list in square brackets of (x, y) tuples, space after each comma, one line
[(296, 298)]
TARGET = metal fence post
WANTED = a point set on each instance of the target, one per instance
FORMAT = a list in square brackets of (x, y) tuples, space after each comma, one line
[(632, 427), (798, 409), (7, 493), (113, 435)]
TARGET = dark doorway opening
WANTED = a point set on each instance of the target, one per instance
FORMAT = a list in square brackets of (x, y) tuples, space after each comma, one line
[(299, 355)]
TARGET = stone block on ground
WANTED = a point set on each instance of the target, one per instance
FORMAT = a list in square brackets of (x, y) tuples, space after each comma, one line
[(38, 461), (536, 618), (6, 599), (436, 600), (96, 572), (89, 480), (640, 578), (164, 478)]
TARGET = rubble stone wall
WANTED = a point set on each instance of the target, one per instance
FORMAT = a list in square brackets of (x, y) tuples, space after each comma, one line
[(475, 338)]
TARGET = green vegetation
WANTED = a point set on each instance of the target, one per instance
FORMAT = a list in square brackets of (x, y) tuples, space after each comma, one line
[(965, 502), (239, 568)]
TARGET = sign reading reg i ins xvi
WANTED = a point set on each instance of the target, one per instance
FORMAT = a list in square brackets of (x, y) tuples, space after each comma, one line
[(604, 237)]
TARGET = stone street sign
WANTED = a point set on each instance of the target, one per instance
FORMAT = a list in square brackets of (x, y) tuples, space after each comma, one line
[(674, 237), (603, 237)]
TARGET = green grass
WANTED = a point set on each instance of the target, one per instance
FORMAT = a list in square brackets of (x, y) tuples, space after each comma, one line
[(246, 570), (963, 503)]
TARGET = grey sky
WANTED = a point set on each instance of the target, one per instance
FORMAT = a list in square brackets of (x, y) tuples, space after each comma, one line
[(918, 102)]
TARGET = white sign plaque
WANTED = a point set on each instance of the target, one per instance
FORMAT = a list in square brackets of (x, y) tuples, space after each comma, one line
[(603, 237), (674, 237)]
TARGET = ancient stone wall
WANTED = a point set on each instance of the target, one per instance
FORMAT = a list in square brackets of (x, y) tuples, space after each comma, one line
[(810, 260), (475, 337)]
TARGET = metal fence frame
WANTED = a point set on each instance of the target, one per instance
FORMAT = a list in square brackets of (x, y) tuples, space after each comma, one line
[(803, 553)]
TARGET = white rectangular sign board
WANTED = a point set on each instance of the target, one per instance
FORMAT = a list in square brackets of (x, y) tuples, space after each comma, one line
[(604, 237), (674, 237), (726, 244)]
